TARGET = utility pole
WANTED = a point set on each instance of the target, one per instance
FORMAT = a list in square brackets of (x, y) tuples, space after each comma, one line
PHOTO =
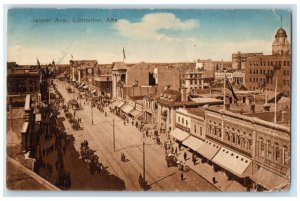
[(275, 113), (114, 141), (144, 166), (92, 111)]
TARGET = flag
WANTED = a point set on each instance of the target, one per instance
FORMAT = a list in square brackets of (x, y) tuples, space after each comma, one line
[(124, 56), (229, 86)]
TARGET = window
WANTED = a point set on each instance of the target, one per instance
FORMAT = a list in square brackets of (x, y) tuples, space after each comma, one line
[(285, 155), (262, 147), (182, 121), (228, 136), (201, 131), (284, 72), (269, 147), (195, 129), (250, 144), (233, 139), (238, 140), (250, 71), (288, 72), (277, 152), (186, 123), (178, 120)]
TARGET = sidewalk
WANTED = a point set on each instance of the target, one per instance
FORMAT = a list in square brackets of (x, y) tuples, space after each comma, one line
[(206, 171)]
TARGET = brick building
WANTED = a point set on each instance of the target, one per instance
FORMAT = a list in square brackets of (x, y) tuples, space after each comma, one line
[(239, 59), (262, 70)]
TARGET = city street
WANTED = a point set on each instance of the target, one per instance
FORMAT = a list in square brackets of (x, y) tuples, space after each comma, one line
[(128, 140)]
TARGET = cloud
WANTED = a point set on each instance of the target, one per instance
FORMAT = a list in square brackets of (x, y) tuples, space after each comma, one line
[(150, 25)]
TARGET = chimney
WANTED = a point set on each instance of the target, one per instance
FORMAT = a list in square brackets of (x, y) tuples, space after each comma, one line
[(183, 92)]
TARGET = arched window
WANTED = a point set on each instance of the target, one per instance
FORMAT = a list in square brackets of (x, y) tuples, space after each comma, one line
[(262, 146), (233, 138), (238, 141), (186, 123), (270, 149), (228, 136), (286, 156), (242, 142), (277, 152), (250, 144)]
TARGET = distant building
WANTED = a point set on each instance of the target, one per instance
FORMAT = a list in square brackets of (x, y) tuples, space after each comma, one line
[(238, 77), (281, 45), (82, 71), (239, 59), (192, 80), (210, 65), (262, 70), (104, 84), (220, 76)]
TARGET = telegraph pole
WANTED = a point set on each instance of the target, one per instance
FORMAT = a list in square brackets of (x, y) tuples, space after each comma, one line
[(144, 166), (114, 141), (92, 112), (275, 113)]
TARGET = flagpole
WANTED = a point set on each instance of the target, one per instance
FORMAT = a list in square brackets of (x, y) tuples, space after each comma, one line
[(224, 96)]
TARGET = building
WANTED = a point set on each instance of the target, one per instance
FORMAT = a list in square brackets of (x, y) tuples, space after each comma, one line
[(239, 59), (262, 71), (150, 109), (22, 81), (82, 71), (249, 149), (238, 77), (104, 84), (210, 65), (220, 76), (281, 45), (192, 80)]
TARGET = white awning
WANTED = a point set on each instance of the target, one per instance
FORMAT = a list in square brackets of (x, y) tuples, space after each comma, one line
[(116, 103), (25, 127), (179, 134), (233, 162), (269, 180), (127, 109), (208, 149), (136, 113), (193, 143), (121, 104)]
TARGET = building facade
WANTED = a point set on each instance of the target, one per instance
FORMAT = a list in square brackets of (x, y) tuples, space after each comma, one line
[(239, 59), (265, 145)]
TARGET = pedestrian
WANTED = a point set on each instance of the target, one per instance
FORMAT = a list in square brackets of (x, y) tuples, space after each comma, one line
[(185, 156), (176, 151), (179, 146), (172, 149), (194, 160), (182, 176)]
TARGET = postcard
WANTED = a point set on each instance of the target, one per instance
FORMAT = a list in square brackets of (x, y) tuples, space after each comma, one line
[(195, 100)]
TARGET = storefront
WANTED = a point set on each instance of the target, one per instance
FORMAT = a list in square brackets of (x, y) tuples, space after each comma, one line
[(269, 180), (236, 166), (208, 150), (193, 143), (179, 135)]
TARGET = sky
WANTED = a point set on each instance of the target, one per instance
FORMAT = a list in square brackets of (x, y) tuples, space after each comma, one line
[(151, 35)]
